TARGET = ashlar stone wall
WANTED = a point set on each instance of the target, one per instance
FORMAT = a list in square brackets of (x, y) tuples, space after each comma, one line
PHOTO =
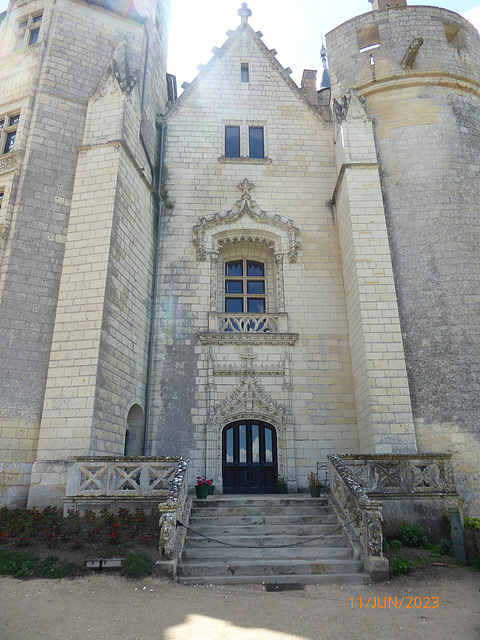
[(420, 86), (302, 385)]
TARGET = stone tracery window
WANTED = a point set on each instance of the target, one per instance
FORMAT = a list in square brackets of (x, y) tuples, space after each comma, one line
[(245, 277), (245, 286)]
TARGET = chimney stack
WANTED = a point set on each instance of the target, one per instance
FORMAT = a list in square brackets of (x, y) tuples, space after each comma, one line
[(309, 85), (379, 5)]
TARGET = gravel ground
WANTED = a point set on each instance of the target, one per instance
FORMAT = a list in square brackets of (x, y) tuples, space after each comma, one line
[(107, 607)]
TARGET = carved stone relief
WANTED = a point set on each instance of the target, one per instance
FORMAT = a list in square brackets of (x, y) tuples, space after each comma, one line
[(247, 400), (281, 229)]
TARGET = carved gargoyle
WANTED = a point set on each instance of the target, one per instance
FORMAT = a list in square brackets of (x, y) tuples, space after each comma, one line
[(411, 53)]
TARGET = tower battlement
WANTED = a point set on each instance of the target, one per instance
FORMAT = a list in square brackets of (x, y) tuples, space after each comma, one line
[(401, 43)]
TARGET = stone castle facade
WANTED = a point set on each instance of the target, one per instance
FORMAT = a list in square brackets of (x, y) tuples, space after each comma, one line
[(255, 275)]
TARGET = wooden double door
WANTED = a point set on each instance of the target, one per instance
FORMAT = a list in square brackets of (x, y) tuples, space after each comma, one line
[(249, 457)]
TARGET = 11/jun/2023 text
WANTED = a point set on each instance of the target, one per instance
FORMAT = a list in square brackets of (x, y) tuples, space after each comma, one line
[(384, 602)]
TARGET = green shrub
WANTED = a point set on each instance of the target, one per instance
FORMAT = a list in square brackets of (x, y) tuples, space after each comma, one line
[(413, 535), (472, 523), (48, 569), (136, 564), (444, 547), (395, 545), (22, 565), (402, 565), (475, 566), (17, 563)]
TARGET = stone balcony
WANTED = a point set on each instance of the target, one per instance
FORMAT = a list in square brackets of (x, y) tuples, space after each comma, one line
[(247, 328)]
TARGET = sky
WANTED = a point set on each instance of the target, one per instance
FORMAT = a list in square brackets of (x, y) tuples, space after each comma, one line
[(293, 27)]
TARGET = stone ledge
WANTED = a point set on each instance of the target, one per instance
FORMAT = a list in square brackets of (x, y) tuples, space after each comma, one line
[(248, 338), (244, 160)]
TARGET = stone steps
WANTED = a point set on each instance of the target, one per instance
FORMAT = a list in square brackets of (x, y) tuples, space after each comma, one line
[(272, 525)]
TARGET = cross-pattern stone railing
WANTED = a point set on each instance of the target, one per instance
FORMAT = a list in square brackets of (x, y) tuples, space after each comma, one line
[(248, 322), (362, 513), (392, 475), (135, 478), (120, 477)]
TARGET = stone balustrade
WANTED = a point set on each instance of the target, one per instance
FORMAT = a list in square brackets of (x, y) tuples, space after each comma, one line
[(361, 513), (390, 475), (380, 492), (247, 322), (120, 477)]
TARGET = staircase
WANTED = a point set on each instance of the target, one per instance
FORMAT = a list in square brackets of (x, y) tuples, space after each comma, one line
[(260, 523)]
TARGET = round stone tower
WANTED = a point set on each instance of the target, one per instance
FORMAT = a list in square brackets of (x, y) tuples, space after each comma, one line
[(418, 69)]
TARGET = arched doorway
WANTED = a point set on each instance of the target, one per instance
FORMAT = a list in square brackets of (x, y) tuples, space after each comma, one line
[(249, 457), (135, 434)]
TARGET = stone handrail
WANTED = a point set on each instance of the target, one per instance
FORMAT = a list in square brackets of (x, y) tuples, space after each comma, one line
[(173, 509), (390, 475), (363, 514), (128, 478), (247, 322), (121, 477)]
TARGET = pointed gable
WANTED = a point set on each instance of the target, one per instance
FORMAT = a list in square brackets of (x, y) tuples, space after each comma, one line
[(247, 43)]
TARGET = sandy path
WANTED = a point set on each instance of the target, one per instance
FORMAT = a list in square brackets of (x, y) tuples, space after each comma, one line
[(107, 607)]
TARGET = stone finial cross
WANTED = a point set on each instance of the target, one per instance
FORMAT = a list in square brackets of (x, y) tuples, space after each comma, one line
[(244, 12), (245, 187)]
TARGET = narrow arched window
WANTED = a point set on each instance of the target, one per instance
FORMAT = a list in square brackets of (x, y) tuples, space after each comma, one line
[(245, 286)]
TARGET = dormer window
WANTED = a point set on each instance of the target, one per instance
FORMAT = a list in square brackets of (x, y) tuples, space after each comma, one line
[(244, 73)]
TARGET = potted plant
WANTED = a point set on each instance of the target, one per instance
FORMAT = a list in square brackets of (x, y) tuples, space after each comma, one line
[(211, 487), (202, 487), (315, 485), (280, 484)]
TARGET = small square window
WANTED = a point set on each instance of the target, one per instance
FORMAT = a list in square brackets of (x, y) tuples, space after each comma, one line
[(232, 142), (234, 305), (256, 305), (234, 286), (244, 73), (255, 138)]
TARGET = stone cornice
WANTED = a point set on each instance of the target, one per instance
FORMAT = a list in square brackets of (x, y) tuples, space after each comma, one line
[(398, 82), (247, 338)]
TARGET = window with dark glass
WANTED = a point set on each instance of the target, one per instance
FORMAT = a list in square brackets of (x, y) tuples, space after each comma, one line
[(33, 36), (255, 139), (244, 72), (2, 192), (8, 131), (10, 141), (28, 30), (244, 286), (232, 142)]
